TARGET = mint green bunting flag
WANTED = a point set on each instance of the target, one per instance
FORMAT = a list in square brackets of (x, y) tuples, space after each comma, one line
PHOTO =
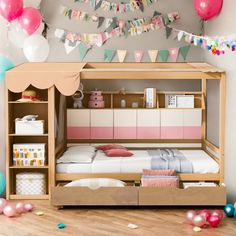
[(82, 51), (109, 54), (164, 54), (184, 51)]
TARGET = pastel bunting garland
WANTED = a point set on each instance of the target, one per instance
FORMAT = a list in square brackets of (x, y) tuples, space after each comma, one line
[(115, 7)]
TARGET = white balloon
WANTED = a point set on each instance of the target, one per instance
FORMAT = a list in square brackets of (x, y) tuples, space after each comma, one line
[(16, 35), (40, 29), (32, 3), (36, 48)]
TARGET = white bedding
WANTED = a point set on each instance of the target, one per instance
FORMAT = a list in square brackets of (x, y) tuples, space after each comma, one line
[(201, 161)]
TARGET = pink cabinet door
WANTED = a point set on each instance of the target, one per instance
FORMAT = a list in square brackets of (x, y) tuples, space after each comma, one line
[(101, 124), (78, 123), (148, 124), (125, 123), (192, 124), (172, 124)]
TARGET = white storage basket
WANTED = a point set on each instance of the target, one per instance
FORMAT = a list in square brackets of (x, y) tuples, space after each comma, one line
[(28, 183)]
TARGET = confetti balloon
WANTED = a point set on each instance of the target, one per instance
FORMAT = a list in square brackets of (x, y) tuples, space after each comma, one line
[(229, 210), (3, 203), (9, 211), (199, 221), (217, 213), (205, 213), (190, 215), (214, 220), (28, 207), (20, 208)]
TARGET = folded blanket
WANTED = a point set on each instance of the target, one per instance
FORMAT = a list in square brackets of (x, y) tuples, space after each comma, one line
[(160, 181), (163, 159)]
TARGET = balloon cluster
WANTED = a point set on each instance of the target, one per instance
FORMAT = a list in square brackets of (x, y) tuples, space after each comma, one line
[(204, 218), (11, 210), (26, 27), (230, 210)]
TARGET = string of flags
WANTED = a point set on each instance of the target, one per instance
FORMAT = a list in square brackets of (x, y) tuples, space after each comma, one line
[(164, 54), (115, 7), (217, 45)]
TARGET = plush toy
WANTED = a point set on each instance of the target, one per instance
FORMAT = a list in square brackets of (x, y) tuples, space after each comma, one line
[(78, 97)]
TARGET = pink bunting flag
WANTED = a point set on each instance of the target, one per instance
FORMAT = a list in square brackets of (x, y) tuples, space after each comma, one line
[(138, 55), (174, 52)]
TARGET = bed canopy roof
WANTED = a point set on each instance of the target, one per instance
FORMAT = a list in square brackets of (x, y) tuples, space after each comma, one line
[(66, 76)]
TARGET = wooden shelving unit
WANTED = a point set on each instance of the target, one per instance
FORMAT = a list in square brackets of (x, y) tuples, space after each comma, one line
[(15, 109)]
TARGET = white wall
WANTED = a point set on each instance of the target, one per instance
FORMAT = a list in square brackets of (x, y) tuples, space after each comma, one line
[(224, 24)]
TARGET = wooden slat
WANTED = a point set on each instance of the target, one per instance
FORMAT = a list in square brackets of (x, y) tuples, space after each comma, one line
[(28, 197)]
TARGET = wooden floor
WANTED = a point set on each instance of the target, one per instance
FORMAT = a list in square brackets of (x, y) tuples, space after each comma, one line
[(107, 221)]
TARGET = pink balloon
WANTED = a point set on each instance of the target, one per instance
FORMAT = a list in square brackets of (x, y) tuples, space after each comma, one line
[(28, 207), (214, 220), (30, 20), (205, 213), (20, 208), (217, 213), (3, 203), (199, 221), (11, 9), (9, 211), (207, 9)]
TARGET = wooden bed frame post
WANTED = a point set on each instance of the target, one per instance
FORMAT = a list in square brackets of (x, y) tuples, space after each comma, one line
[(222, 125), (51, 138), (204, 112)]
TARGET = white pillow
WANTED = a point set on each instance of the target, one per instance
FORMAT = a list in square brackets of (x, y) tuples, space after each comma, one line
[(95, 183), (78, 154)]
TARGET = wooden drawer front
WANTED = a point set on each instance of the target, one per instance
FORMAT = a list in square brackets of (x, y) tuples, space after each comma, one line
[(74, 196), (78, 124), (101, 124), (148, 124), (192, 124), (198, 196), (172, 124), (125, 124)]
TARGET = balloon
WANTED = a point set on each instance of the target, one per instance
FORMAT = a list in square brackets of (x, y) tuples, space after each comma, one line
[(28, 207), (229, 210), (30, 20), (235, 205), (235, 213), (217, 213), (32, 3), (36, 48), (9, 211), (20, 208), (207, 9), (16, 35), (214, 220), (190, 215), (205, 213), (3, 203), (5, 64), (11, 9), (199, 221)]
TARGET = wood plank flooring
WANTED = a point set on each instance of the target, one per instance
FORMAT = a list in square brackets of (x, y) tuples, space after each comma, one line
[(100, 221)]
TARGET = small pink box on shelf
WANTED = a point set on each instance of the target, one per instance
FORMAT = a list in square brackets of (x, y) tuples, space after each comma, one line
[(96, 100)]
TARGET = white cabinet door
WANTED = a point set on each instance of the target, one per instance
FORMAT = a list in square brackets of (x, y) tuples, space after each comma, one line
[(192, 124), (148, 124), (172, 122), (101, 124), (125, 123), (78, 124)]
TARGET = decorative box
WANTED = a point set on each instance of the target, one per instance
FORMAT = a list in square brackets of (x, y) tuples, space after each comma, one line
[(30, 183), (29, 127), (96, 104), (179, 101), (96, 100), (28, 154)]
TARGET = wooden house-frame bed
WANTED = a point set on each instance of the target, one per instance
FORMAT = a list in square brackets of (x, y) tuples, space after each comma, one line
[(62, 79)]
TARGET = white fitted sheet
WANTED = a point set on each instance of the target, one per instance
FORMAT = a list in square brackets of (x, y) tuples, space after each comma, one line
[(201, 161)]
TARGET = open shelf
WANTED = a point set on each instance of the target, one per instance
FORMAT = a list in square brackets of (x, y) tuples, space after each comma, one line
[(36, 102), (18, 135), (28, 167)]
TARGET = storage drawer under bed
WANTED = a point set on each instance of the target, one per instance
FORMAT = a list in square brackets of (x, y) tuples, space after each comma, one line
[(192, 196), (104, 196)]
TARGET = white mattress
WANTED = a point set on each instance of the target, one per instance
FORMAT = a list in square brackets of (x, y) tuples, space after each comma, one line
[(201, 162)]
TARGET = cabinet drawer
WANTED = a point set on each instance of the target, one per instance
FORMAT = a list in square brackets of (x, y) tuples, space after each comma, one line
[(198, 196), (74, 196)]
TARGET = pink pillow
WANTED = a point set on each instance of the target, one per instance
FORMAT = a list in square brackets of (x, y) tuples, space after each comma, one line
[(170, 182), (159, 172), (111, 146), (118, 153)]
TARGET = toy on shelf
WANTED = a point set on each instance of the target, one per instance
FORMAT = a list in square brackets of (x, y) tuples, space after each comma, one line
[(29, 96), (78, 97), (96, 100)]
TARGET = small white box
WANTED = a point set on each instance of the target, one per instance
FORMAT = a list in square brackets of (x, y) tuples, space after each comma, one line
[(179, 101), (29, 127), (30, 183)]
